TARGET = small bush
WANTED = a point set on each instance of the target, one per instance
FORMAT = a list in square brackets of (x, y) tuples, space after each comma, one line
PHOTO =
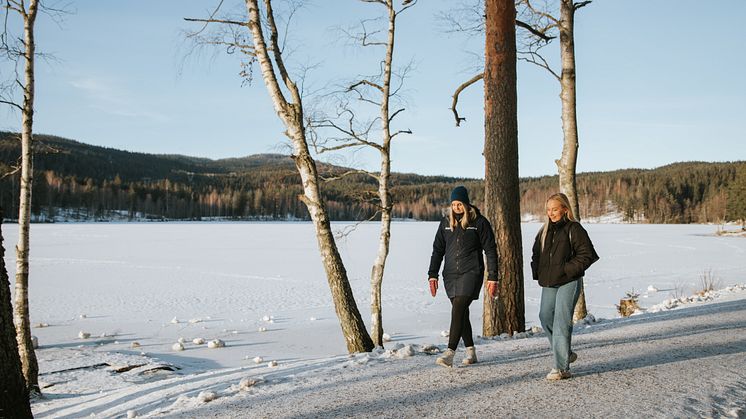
[(708, 282), (629, 304)]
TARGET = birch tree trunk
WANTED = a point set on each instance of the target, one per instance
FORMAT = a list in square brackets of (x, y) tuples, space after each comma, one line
[(502, 195), (376, 278), (291, 114), (14, 400), (21, 315), (567, 163)]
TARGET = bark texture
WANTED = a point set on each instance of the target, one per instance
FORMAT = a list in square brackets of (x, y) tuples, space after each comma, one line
[(14, 400), (502, 194), (22, 319), (567, 163), (291, 114), (379, 265)]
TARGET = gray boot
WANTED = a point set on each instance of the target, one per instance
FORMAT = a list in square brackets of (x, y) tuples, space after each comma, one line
[(446, 359), (471, 356)]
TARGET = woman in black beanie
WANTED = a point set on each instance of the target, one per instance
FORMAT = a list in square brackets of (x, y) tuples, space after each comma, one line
[(461, 238)]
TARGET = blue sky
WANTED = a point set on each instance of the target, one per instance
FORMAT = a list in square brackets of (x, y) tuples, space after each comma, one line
[(659, 81)]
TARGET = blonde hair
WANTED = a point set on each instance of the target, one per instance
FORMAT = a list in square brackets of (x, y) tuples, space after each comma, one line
[(470, 214), (565, 202)]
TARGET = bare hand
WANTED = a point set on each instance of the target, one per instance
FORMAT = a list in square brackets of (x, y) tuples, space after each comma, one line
[(433, 286), (492, 288)]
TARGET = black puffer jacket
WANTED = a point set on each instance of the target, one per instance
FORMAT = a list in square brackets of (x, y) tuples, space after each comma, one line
[(561, 261), (464, 268)]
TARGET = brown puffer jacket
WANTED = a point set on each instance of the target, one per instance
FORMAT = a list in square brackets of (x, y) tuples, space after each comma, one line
[(559, 261)]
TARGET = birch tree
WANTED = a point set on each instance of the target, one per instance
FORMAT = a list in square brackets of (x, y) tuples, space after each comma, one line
[(506, 314), (23, 51), (567, 163), (14, 400), (379, 91), (264, 48)]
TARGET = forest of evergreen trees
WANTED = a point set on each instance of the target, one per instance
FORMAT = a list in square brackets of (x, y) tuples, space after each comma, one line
[(90, 182)]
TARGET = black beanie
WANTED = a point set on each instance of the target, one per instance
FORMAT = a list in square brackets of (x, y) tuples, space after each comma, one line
[(460, 193)]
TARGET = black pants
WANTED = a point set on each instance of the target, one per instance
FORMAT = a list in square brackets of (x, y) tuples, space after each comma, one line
[(460, 324)]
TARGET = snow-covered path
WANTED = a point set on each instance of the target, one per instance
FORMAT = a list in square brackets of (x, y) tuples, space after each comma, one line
[(681, 363)]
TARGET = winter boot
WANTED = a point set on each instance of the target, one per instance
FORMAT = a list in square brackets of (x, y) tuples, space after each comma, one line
[(446, 359), (556, 374), (471, 356)]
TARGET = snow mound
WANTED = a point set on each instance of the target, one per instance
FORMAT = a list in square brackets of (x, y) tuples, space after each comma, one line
[(178, 346), (198, 341), (652, 288), (700, 297), (272, 364), (207, 396), (247, 383), (258, 360), (83, 335), (386, 337), (215, 343)]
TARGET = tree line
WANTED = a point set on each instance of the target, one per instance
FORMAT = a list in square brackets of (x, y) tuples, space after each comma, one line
[(89, 182)]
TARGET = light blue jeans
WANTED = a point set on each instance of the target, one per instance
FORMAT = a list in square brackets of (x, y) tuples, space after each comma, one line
[(557, 306)]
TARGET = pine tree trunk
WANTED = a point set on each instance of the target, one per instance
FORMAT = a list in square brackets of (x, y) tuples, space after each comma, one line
[(502, 195), (568, 162), (22, 319), (14, 400), (291, 113)]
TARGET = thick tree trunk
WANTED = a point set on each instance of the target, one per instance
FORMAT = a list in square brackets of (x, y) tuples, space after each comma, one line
[(22, 319), (502, 195), (291, 114), (14, 400), (568, 161)]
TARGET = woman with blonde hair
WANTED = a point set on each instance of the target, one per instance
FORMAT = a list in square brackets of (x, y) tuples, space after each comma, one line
[(561, 253), (462, 237)]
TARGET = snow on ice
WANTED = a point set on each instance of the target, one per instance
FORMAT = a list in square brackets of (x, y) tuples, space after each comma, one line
[(131, 284)]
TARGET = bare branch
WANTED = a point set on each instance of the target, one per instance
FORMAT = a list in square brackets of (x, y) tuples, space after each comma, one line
[(13, 104), (538, 33), (275, 47), (349, 173), (208, 21), (365, 82), (15, 170), (402, 131), (541, 13), (458, 92), (347, 230), (537, 59), (407, 4), (578, 5), (397, 112)]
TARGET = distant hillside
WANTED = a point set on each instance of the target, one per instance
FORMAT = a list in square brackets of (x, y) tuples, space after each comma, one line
[(79, 181)]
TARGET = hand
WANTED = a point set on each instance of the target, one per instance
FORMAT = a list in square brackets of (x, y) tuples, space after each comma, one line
[(492, 288), (433, 286)]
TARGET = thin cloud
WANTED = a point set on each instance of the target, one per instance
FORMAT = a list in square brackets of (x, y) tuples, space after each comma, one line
[(107, 97)]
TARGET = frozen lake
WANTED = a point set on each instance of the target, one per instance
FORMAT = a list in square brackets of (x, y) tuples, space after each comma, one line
[(132, 280)]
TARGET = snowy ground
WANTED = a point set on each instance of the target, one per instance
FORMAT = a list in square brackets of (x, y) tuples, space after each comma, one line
[(259, 287)]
